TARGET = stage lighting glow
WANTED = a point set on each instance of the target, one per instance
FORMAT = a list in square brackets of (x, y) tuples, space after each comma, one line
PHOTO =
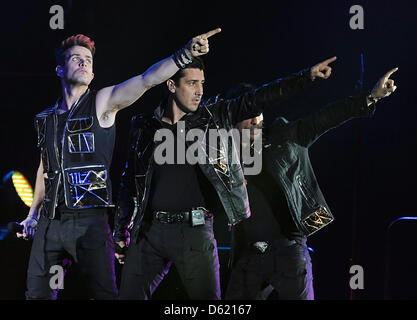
[(23, 188)]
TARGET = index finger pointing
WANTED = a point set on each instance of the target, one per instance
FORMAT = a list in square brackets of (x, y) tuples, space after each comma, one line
[(389, 73), (210, 33), (330, 60)]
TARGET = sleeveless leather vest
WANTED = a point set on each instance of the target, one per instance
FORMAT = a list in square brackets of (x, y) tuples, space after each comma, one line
[(83, 164)]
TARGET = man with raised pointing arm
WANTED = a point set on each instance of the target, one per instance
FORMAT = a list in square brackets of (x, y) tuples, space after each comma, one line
[(73, 190), (166, 209), (270, 248)]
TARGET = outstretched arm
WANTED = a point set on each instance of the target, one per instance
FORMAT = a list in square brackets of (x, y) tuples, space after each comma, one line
[(306, 131), (111, 99), (252, 103)]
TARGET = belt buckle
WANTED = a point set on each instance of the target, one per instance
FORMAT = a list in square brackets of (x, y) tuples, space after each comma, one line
[(161, 216), (166, 217), (261, 246)]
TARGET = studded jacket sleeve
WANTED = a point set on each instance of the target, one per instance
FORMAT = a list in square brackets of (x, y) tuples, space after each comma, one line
[(306, 131), (252, 103), (125, 203)]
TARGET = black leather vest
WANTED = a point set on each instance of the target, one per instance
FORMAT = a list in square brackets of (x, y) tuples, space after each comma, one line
[(83, 165)]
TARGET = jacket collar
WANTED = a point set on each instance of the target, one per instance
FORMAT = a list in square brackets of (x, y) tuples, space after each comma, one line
[(160, 111)]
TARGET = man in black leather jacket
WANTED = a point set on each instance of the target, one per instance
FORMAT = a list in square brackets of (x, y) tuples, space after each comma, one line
[(287, 205), (163, 206), (68, 218)]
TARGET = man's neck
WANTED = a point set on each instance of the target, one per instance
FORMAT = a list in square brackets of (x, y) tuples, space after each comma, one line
[(172, 112), (70, 95)]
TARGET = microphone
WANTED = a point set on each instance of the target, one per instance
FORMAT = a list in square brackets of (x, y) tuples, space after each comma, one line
[(15, 227)]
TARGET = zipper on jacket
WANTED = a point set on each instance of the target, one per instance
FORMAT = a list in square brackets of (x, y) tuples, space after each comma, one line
[(304, 191), (57, 161)]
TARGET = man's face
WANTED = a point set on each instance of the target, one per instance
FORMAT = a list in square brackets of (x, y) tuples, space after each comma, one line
[(189, 91), (78, 68), (251, 125)]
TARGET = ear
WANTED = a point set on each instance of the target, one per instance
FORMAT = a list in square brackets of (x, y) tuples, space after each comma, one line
[(92, 76), (171, 85), (59, 71)]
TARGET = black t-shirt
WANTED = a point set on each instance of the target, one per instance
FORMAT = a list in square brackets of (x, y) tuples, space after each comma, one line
[(177, 187), (270, 216)]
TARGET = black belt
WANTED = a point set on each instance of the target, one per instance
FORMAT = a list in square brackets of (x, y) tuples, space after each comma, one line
[(264, 246), (178, 216)]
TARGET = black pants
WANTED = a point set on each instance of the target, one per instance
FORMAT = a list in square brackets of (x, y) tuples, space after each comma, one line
[(75, 237), (193, 250), (287, 269)]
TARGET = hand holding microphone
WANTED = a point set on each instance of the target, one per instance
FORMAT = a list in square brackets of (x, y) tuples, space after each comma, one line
[(26, 229)]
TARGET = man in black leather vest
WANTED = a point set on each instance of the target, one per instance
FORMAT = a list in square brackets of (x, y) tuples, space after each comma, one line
[(167, 208), (269, 249), (73, 190)]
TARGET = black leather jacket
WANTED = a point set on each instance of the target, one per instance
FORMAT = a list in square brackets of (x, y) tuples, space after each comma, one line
[(228, 181), (286, 159)]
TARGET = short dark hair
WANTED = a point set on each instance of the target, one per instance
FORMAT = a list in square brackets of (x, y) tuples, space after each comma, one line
[(239, 90), (197, 63), (77, 40)]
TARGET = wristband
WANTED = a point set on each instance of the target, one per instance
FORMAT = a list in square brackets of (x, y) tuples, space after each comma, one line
[(182, 58)]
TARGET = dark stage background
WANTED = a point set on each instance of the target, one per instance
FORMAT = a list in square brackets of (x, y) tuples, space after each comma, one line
[(365, 168)]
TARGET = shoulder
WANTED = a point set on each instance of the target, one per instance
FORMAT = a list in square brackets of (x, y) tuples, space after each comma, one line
[(213, 100), (45, 113), (280, 122), (278, 129)]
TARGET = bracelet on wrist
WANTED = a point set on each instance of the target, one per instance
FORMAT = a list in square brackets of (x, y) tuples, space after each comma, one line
[(182, 57)]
